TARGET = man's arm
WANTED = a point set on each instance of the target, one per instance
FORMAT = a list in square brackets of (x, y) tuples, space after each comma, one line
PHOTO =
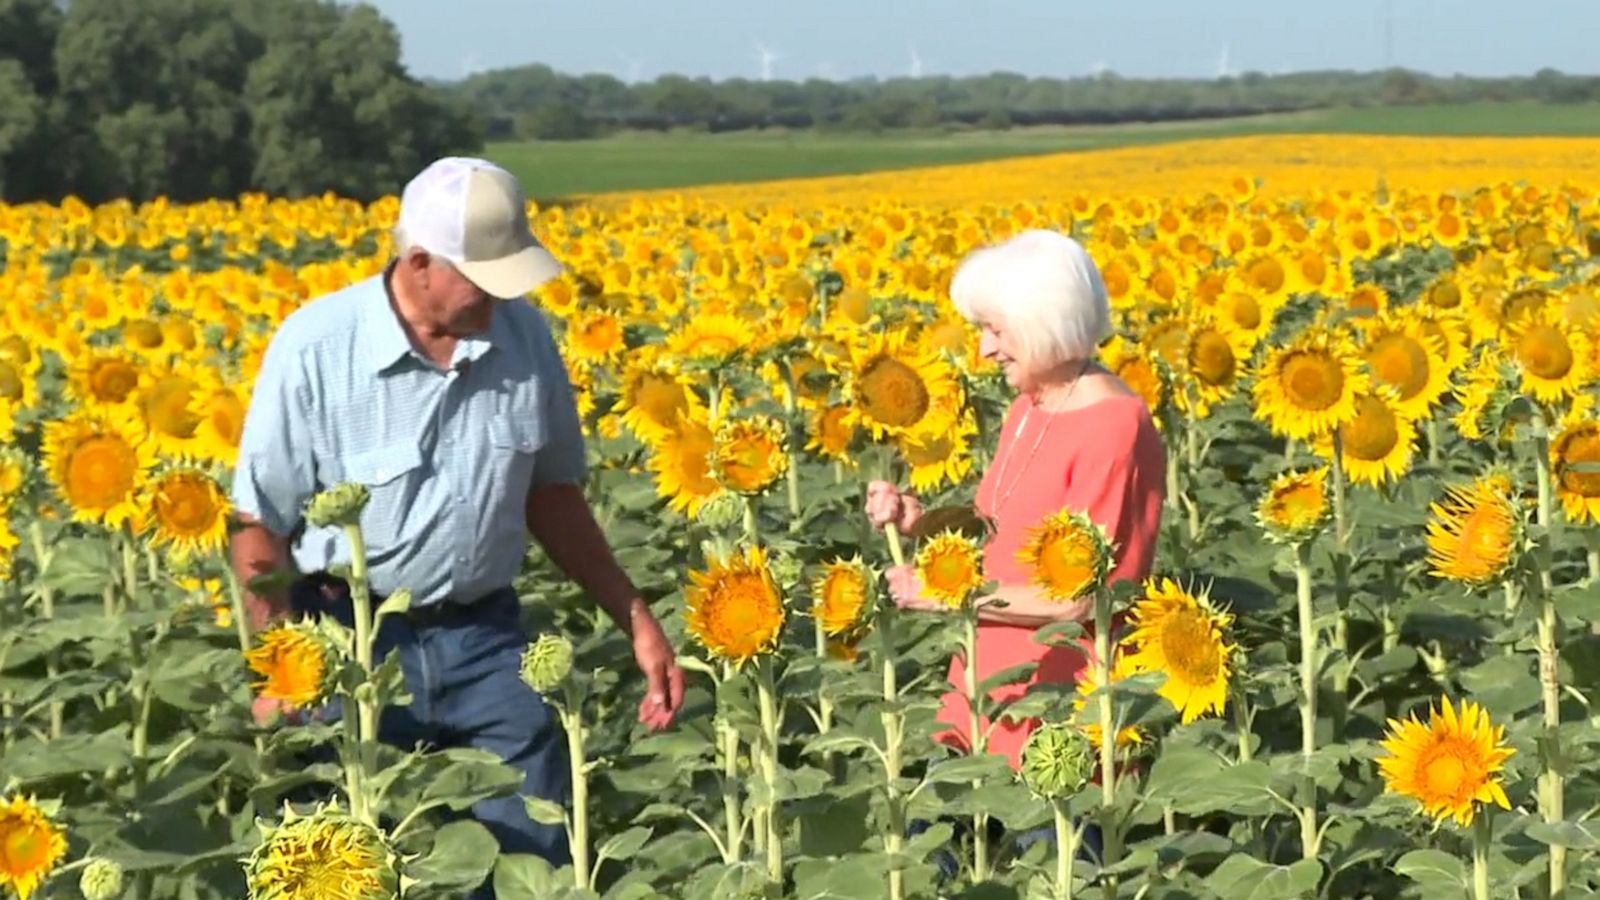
[(560, 519), (256, 552)]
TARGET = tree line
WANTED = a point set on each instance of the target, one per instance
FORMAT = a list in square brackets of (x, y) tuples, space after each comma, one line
[(203, 98), (535, 101)]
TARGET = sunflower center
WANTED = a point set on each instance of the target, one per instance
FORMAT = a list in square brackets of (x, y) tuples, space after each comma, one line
[(1445, 295), (1211, 359), (949, 573), (1267, 275), (185, 506), (143, 333), (1373, 432), (1312, 380), (1190, 647), (10, 382), (1544, 351), (15, 350), (1444, 773), (893, 393), (1583, 447), (1485, 538), (1068, 564), (25, 849), (1402, 361), (100, 473), (842, 599), (167, 408), (226, 415), (1245, 311), (1299, 503), (659, 398), (112, 380)]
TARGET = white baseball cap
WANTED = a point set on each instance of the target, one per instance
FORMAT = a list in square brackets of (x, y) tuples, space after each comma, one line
[(472, 213)]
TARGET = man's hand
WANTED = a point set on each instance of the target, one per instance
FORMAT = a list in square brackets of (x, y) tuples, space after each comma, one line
[(905, 586), (663, 693), (263, 709)]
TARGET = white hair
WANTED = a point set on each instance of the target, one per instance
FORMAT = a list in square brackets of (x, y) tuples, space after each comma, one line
[(1045, 288)]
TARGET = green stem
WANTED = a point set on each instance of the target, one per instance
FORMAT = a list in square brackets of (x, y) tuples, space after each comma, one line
[(1191, 441), (1341, 586), (766, 697), (1066, 849), (1241, 723), (1480, 856), (893, 724), (47, 609), (1308, 698), (1552, 799), (1512, 595), (752, 529), (733, 817), (891, 532), (978, 739), (366, 695), (572, 722), (1111, 835)]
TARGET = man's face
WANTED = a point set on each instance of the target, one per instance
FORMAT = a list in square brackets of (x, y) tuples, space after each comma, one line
[(454, 304)]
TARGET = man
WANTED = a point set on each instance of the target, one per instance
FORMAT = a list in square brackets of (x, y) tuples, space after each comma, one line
[(455, 410)]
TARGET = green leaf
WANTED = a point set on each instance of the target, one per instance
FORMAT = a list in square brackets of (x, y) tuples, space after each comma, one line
[(967, 768), (1242, 877), (80, 566), (1503, 684), (1439, 873), (625, 845), (1243, 789), (835, 829), (465, 782), (545, 812), (462, 856), (1573, 835), (69, 755), (396, 603), (523, 876), (851, 878), (1179, 768)]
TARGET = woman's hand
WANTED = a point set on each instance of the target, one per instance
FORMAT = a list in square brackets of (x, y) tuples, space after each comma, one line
[(905, 586), (888, 505)]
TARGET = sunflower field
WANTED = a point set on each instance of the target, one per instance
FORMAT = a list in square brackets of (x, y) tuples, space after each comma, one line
[(1364, 665)]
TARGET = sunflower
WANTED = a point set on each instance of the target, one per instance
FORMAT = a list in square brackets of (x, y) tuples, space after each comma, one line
[(31, 845), (1482, 388), (1377, 443), (1296, 506), (222, 414), (1139, 370), (1213, 362), (1475, 534), (1089, 717), (1552, 357), (1183, 636), (96, 462), (734, 608), (749, 454), (711, 339), (951, 568), (595, 336), (188, 511), (1401, 356), (1577, 489), (297, 662), (104, 378), (682, 466), (1449, 764), (327, 854), (1309, 387), (1069, 556), (841, 593), (895, 386), (939, 456), (831, 433), (167, 400)]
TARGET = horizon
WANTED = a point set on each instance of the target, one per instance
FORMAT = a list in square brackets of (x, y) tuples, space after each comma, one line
[(722, 40)]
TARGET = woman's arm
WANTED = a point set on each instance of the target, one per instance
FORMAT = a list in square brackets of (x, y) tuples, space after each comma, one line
[(1027, 605)]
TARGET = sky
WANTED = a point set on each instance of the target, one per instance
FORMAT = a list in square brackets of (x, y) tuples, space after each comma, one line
[(841, 39)]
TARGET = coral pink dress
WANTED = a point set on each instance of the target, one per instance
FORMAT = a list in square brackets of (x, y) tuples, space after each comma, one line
[(1106, 460)]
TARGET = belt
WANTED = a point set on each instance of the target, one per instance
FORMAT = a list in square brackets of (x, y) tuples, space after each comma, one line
[(330, 593)]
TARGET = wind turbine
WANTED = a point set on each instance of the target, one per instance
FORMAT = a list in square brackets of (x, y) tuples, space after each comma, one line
[(1222, 63), (766, 56), (916, 60)]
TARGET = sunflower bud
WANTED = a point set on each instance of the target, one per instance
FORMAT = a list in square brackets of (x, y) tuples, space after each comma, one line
[(325, 848), (721, 512), (750, 454), (787, 570), (546, 662), (101, 880), (339, 505), (1057, 761), (1296, 506)]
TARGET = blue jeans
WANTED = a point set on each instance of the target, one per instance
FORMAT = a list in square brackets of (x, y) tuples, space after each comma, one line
[(462, 666)]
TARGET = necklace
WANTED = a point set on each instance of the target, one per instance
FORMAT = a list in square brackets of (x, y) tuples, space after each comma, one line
[(999, 477)]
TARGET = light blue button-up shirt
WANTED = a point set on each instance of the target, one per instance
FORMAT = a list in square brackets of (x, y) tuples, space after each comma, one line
[(449, 455)]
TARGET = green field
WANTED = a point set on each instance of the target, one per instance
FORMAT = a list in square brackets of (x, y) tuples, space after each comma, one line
[(550, 170)]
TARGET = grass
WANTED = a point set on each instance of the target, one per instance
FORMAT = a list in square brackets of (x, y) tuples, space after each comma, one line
[(551, 170)]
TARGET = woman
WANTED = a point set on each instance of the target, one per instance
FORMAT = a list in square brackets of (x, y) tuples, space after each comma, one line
[(1075, 437)]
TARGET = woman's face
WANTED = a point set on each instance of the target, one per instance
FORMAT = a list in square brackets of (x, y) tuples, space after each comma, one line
[(999, 343)]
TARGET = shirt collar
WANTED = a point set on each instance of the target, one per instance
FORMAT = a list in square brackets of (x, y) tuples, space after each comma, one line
[(387, 343)]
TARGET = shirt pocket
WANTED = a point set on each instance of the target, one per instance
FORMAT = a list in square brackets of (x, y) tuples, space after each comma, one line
[(392, 475), (514, 446)]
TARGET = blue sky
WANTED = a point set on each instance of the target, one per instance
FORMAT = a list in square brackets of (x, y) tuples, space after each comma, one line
[(1062, 38)]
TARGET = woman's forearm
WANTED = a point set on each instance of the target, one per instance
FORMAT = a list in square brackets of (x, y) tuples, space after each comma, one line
[(1026, 605)]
